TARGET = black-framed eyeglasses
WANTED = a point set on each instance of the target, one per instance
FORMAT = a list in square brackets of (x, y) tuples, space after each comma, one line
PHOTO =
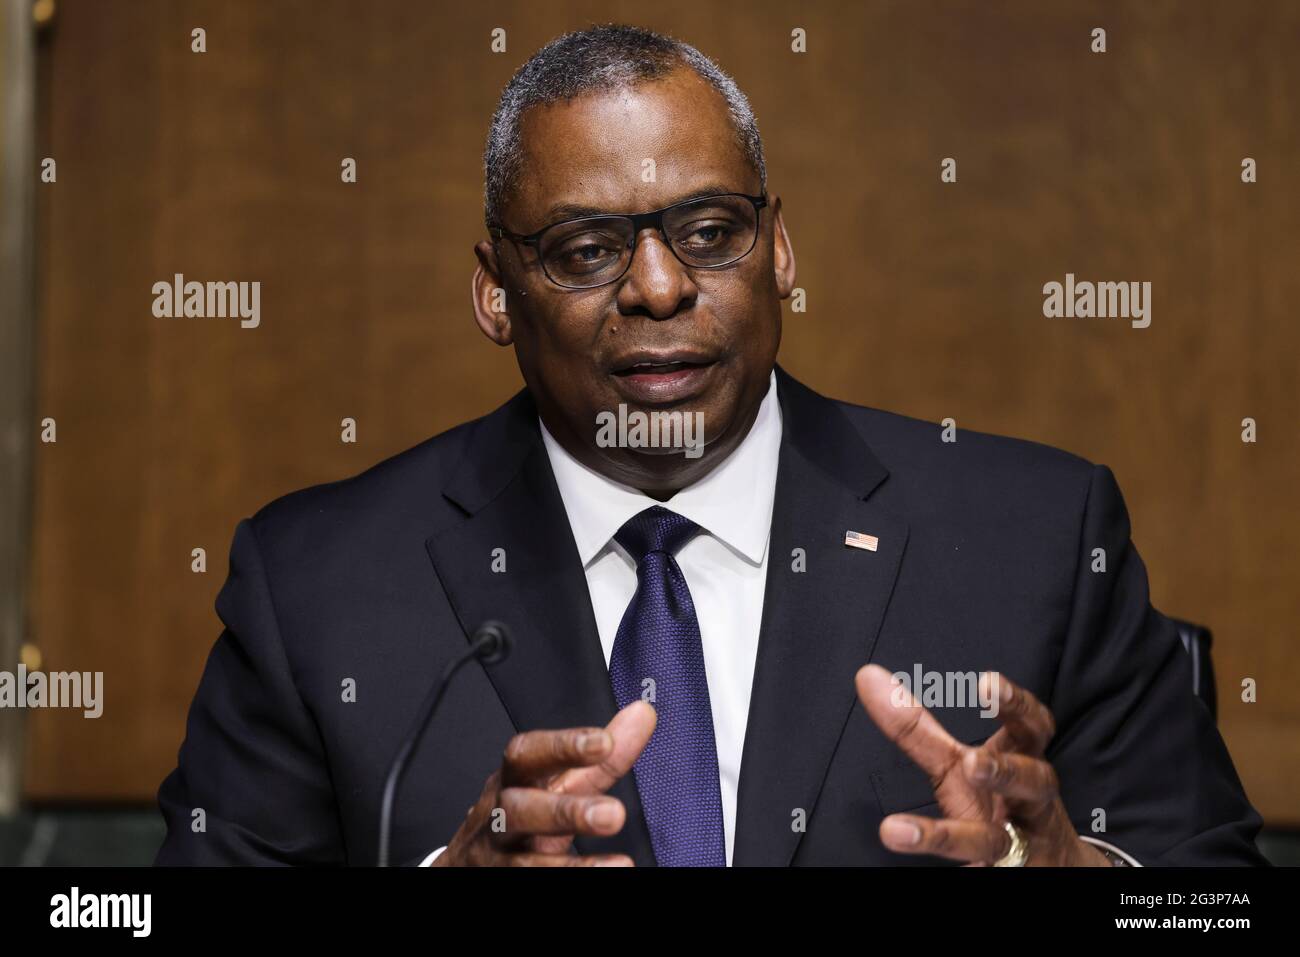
[(704, 233)]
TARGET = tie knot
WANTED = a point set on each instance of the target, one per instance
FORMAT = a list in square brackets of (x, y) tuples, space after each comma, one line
[(655, 530)]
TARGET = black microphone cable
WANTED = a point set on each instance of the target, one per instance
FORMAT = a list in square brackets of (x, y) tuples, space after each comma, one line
[(491, 645)]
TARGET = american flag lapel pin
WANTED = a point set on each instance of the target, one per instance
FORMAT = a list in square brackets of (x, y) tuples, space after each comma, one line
[(861, 540)]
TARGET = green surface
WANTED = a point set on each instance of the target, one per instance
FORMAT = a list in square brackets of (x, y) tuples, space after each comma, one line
[(98, 837)]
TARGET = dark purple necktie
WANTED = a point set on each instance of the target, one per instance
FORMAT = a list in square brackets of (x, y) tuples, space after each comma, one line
[(659, 641)]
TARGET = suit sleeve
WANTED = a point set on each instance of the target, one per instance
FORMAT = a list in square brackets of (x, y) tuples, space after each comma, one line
[(1134, 747), (252, 785)]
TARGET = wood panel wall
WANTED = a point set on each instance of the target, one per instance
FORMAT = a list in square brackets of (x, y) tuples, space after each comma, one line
[(923, 297)]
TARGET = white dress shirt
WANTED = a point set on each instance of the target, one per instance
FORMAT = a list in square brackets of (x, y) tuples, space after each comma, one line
[(725, 567)]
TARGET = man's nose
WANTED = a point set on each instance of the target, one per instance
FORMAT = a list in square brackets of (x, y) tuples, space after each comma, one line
[(656, 281)]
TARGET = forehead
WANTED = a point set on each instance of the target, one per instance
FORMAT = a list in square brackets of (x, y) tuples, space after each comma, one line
[(596, 152)]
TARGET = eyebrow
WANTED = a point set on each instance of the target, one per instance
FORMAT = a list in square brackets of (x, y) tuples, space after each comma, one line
[(562, 211)]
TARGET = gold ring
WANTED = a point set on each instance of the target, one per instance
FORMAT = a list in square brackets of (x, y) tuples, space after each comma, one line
[(1019, 852)]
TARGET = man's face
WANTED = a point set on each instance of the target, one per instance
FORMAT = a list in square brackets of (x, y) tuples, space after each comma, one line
[(583, 351)]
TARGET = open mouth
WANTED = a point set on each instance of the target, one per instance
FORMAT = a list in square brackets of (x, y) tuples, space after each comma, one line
[(663, 378), (659, 368)]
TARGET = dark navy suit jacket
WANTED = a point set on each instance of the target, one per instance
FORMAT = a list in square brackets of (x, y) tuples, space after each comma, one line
[(984, 562)]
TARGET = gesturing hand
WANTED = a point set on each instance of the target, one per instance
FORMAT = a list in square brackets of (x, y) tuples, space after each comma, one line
[(978, 788), (550, 787)]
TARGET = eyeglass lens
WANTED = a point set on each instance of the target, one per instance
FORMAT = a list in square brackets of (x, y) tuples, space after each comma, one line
[(706, 233)]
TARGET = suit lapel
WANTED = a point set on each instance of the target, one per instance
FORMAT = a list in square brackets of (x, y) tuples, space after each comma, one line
[(819, 624), (556, 675)]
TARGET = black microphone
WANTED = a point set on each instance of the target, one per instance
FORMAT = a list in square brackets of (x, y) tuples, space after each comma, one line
[(490, 645)]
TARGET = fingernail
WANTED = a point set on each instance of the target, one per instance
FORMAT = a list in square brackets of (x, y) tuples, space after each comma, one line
[(603, 815), (902, 832), (983, 769), (592, 743)]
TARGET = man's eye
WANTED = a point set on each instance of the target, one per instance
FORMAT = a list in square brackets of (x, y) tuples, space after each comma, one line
[(586, 254), (711, 234)]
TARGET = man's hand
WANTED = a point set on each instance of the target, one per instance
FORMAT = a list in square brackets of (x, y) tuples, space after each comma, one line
[(551, 787), (1004, 779)]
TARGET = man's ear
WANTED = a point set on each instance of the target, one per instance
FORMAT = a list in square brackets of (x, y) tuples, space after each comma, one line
[(491, 309), (782, 252)]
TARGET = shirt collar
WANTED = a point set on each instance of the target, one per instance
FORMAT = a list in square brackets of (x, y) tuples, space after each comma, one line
[(733, 502)]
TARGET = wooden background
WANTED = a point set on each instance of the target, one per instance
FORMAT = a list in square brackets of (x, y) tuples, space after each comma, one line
[(923, 298)]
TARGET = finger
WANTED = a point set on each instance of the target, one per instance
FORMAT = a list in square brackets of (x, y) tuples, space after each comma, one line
[(945, 837), (567, 860), (1027, 723), (1017, 777), (526, 812), (537, 755), (905, 722), (630, 729)]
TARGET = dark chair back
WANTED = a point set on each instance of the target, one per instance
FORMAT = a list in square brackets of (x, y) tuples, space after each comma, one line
[(1196, 642)]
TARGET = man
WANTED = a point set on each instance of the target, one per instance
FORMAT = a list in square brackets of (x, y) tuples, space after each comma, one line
[(705, 630)]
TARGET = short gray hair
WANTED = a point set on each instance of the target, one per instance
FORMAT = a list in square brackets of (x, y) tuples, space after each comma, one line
[(598, 59)]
